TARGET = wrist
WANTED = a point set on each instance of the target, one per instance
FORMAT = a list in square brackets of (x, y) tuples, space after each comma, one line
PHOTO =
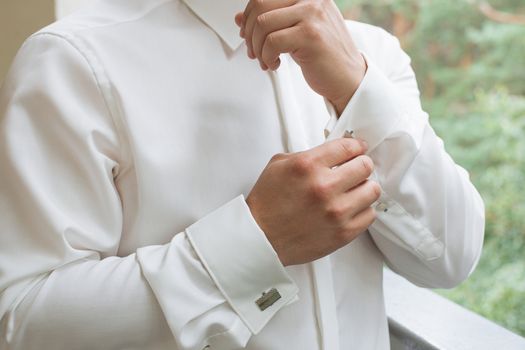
[(355, 75)]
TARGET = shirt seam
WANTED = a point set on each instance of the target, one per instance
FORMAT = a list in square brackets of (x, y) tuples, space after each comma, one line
[(100, 77), (131, 19)]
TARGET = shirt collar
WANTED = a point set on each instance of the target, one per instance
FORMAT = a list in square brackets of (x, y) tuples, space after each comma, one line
[(219, 16)]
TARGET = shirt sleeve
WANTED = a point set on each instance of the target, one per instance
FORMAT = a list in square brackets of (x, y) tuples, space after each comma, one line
[(430, 218), (63, 284)]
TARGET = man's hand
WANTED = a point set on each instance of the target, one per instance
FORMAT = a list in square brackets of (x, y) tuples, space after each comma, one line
[(315, 35), (312, 203)]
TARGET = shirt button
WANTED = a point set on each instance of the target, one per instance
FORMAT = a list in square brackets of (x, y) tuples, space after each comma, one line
[(382, 207)]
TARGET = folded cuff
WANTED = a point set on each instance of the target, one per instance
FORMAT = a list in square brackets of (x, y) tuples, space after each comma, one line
[(242, 263), (373, 111)]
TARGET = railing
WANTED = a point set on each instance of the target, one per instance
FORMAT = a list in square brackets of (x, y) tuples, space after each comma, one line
[(422, 320)]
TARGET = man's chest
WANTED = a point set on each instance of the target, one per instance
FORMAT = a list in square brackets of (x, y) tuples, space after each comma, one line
[(199, 131)]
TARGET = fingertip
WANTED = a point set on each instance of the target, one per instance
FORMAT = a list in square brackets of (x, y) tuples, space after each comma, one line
[(250, 53), (238, 19), (277, 64)]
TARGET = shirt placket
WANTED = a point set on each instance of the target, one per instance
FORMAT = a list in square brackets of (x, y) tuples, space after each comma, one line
[(321, 271)]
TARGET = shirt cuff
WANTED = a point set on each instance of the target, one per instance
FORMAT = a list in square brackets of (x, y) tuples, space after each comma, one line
[(242, 263), (373, 111), (405, 230)]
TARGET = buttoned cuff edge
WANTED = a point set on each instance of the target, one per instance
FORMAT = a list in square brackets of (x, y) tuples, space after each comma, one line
[(242, 263), (406, 231), (373, 111)]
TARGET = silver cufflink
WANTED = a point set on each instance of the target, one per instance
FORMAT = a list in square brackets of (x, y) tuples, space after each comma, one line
[(349, 134), (268, 299)]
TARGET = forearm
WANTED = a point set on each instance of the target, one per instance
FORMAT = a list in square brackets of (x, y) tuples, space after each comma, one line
[(88, 305), (430, 218), (109, 304)]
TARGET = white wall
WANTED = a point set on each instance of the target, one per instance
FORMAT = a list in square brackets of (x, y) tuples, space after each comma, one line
[(18, 20), (21, 18)]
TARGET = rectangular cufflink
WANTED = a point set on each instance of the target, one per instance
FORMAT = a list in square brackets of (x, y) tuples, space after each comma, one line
[(268, 299)]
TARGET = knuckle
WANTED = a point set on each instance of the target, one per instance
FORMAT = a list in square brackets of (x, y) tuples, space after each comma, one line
[(335, 213), (314, 7), (302, 164), (311, 31), (277, 157), (320, 190), (261, 20)]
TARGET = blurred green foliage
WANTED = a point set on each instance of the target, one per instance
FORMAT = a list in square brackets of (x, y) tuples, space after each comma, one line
[(469, 57)]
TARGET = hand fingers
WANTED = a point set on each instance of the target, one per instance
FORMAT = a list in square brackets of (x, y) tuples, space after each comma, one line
[(282, 41), (336, 152), (238, 19), (359, 198), (270, 22), (252, 11), (359, 223), (353, 172), (258, 4)]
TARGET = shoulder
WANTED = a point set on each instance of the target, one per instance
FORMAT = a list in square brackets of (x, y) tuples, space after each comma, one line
[(77, 39), (104, 15)]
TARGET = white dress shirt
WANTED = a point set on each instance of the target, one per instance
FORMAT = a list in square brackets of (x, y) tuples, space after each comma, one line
[(130, 134)]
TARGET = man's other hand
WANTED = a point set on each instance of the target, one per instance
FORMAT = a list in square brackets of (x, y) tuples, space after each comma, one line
[(315, 35), (312, 203)]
